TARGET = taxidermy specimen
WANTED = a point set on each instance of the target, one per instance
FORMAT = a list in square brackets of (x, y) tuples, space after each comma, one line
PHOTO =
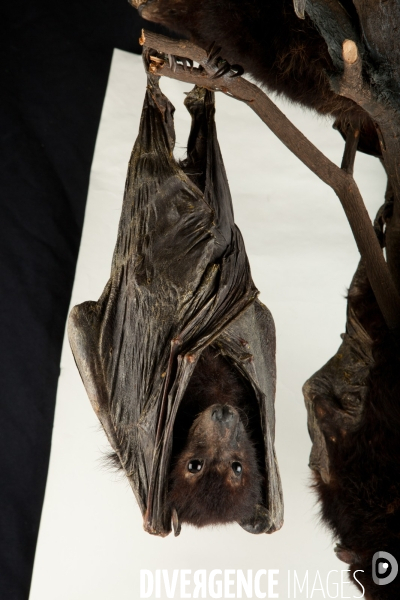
[(268, 40), (354, 422), (178, 354)]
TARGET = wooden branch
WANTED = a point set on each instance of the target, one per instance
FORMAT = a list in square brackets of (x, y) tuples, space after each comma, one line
[(370, 76), (335, 26), (350, 149), (382, 108), (350, 83), (338, 179), (352, 65)]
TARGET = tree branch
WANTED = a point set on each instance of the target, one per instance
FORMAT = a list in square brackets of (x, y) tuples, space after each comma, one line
[(338, 179), (350, 150), (369, 74), (334, 25)]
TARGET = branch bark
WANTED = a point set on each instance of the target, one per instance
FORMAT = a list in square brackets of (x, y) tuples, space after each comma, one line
[(372, 81), (340, 180), (335, 26)]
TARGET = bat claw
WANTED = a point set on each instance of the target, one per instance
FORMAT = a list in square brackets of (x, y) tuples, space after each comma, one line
[(237, 71), (223, 67), (187, 62), (223, 70), (173, 62), (176, 523)]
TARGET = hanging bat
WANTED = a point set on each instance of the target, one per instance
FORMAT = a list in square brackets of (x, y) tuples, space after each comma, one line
[(178, 354), (354, 421)]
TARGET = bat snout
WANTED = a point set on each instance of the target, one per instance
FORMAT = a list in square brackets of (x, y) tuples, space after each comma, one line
[(136, 3), (224, 414), (149, 10)]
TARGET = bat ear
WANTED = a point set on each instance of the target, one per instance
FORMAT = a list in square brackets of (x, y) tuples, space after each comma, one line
[(176, 523), (259, 522), (346, 555)]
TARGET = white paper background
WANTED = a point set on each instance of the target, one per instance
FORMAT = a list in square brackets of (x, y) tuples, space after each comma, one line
[(91, 544)]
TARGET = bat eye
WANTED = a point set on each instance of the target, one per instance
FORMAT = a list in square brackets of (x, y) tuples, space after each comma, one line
[(237, 468), (195, 466)]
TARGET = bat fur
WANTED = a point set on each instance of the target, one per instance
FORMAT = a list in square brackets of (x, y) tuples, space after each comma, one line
[(360, 495), (217, 426), (281, 51)]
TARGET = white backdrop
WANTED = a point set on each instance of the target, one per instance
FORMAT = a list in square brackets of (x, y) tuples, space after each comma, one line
[(302, 254)]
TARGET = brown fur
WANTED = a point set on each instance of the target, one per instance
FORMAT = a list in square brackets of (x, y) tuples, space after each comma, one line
[(215, 494), (361, 503)]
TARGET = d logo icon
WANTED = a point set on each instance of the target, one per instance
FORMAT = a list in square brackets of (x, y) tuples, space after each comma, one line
[(384, 568)]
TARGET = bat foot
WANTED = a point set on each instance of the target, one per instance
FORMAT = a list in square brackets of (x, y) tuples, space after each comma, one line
[(174, 61), (214, 60)]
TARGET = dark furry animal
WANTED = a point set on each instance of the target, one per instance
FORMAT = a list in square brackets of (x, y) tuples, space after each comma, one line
[(216, 477), (180, 281), (353, 405), (281, 51)]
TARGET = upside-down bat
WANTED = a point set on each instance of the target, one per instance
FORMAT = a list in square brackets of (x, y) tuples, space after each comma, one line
[(353, 405), (286, 54), (178, 354), (228, 462)]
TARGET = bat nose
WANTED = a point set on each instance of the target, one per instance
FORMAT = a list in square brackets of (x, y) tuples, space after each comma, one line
[(145, 5), (222, 414)]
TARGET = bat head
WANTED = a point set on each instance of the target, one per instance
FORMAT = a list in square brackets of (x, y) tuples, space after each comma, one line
[(216, 478)]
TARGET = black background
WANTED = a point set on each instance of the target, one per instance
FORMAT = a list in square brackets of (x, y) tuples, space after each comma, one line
[(55, 61)]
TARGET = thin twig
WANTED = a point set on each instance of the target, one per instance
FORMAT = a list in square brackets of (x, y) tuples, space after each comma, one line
[(350, 149)]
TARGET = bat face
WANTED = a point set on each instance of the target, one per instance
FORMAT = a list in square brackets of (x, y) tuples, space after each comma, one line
[(216, 474), (216, 478)]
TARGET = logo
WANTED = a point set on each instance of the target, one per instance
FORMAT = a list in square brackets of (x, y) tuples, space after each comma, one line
[(384, 568)]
